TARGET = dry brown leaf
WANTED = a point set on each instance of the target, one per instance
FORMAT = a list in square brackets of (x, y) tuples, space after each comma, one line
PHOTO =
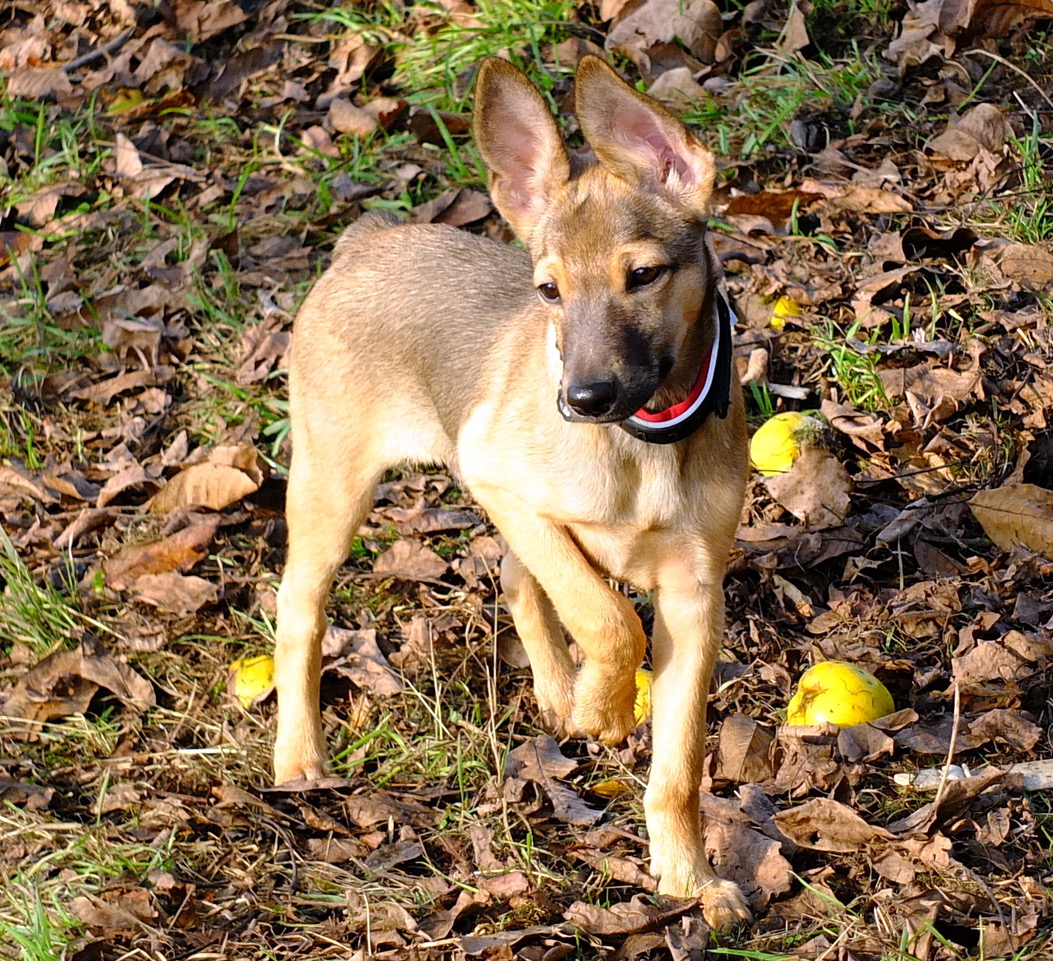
[(815, 490), (65, 682), (39, 208), (330, 850), (982, 127), (609, 9), (128, 912), (1017, 515), (872, 200), (755, 863), (902, 860), (651, 24), (807, 759), (399, 852), (16, 485), (827, 825), (358, 658), (38, 83), (454, 207), (1011, 659), (920, 242), (864, 742), (627, 917), (1013, 728), (429, 520), (541, 761), (775, 206), (998, 18), (498, 946), (624, 870), (411, 560), (743, 751), (175, 593), (932, 384), (956, 799), (386, 110), (214, 486), (202, 19), (677, 88), (131, 476), (263, 349), (18, 793), (134, 337), (177, 552), (540, 758), (1028, 265), (933, 736), (503, 887), (1005, 938), (931, 28), (794, 37), (345, 117), (103, 392)]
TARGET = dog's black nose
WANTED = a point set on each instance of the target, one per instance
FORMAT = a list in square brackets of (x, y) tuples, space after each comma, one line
[(592, 400)]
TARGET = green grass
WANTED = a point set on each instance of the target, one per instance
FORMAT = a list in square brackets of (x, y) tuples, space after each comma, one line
[(1029, 215), (37, 615), (434, 51), (755, 114), (37, 931), (452, 727), (853, 370)]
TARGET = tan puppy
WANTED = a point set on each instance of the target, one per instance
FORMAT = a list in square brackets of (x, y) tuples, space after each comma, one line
[(581, 391)]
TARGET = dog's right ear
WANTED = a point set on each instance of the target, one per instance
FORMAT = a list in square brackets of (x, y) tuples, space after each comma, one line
[(519, 143)]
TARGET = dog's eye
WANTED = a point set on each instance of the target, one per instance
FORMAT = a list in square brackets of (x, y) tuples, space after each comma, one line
[(549, 293), (643, 277)]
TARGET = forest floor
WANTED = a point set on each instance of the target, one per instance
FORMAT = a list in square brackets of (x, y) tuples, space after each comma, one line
[(174, 178)]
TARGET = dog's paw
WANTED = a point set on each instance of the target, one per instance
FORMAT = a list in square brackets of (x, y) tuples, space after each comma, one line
[(555, 703), (723, 905), (722, 902), (604, 705), (298, 764)]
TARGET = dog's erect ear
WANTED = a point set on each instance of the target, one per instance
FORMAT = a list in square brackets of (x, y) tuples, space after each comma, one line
[(520, 144), (638, 140)]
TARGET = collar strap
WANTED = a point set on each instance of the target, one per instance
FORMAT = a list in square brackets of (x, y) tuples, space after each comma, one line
[(710, 395)]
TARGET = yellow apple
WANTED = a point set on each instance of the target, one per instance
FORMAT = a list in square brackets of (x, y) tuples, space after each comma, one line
[(642, 708), (777, 442), (840, 693)]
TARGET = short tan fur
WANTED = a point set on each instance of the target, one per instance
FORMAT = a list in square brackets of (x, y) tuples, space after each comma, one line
[(426, 344)]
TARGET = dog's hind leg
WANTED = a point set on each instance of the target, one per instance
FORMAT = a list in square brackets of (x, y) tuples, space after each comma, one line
[(331, 486), (542, 636)]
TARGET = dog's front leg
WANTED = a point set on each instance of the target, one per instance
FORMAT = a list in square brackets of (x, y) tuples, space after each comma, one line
[(689, 624), (600, 619)]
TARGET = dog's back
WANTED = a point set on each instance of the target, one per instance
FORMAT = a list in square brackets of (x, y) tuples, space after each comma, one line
[(425, 317)]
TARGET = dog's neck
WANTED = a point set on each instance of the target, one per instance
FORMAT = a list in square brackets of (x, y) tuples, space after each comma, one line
[(697, 387), (683, 377)]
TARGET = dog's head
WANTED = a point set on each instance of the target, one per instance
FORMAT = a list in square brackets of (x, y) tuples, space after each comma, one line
[(618, 245)]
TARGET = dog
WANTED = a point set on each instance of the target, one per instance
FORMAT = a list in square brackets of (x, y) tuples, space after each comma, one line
[(581, 389)]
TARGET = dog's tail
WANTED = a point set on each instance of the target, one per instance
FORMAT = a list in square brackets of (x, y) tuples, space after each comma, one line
[(370, 222)]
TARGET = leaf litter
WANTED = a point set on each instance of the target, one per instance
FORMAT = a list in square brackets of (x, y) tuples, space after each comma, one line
[(142, 479)]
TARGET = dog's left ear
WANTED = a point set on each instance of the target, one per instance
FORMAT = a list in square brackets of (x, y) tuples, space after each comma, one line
[(638, 140)]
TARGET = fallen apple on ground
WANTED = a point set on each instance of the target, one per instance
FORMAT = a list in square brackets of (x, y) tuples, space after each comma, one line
[(776, 444), (839, 693)]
